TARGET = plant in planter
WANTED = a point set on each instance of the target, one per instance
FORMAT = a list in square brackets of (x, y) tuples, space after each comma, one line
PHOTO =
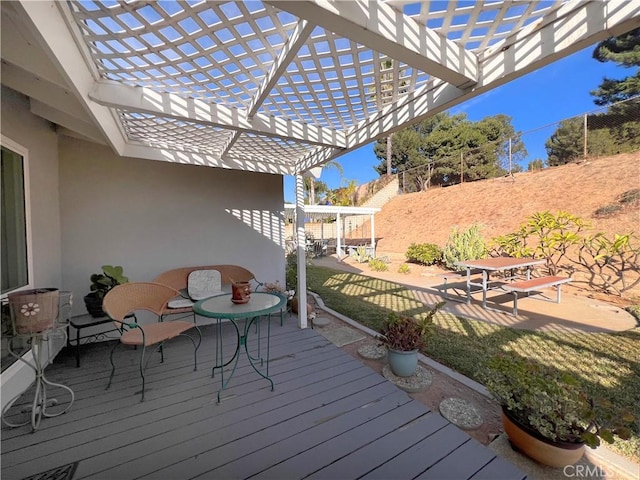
[(404, 337), (546, 414), (101, 283), (291, 274)]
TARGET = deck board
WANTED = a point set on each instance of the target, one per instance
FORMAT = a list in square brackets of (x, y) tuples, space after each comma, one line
[(429, 450), (329, 416), (369, 457)]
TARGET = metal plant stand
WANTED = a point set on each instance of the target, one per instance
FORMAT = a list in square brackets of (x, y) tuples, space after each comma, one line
[(42, 405)]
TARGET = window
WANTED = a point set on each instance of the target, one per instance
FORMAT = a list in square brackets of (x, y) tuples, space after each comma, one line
[(15, 255)]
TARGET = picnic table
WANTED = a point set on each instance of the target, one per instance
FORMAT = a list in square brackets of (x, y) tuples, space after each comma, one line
[(492, 265)]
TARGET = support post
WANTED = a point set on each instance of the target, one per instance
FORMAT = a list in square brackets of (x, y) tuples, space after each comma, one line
[(373, 237), (338, 236), (301, 250)]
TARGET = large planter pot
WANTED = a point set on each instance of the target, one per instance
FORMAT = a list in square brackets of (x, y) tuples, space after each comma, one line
[(33, 311), (402, 364), (539, 448), (294, 305), (94, 306)]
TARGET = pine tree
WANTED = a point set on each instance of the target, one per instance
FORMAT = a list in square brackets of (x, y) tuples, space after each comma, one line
[(625, 51)]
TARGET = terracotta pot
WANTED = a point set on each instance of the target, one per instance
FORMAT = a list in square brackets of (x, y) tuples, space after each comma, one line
[(240, 292), (539, 448), (294, 306)]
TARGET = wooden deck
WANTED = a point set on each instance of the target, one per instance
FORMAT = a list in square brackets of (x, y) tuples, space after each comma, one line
[(329, 416)]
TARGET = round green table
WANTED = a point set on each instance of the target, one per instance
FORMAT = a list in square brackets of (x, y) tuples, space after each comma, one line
[(222, 308)]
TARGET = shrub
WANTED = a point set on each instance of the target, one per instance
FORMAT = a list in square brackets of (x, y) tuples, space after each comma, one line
[(424, 253), (613, 264), (291, 270), (543, 235), (404, 268), (464, 245), (378, 265), (630, 196), (635, 311), (608, 210)]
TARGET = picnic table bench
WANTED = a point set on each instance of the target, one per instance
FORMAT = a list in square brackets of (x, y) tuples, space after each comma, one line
[(534, 285), (453, 275)]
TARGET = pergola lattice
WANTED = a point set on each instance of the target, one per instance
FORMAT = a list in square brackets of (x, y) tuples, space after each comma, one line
[(278, 86)]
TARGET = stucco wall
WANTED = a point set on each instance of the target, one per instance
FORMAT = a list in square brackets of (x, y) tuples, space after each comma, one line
[(39, 138), (150, 216)]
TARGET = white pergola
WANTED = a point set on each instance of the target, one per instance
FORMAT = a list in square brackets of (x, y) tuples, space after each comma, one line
[(339, 212), (277, 87)]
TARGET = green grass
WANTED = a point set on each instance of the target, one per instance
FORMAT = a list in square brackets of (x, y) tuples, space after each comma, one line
[(606, 364)]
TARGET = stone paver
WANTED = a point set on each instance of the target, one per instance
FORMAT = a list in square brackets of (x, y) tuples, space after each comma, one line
[(342, 336), (461, 412), (372, 351), (419, 381)]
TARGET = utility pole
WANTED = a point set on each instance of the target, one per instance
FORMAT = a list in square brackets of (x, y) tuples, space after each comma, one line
[(584, 147)]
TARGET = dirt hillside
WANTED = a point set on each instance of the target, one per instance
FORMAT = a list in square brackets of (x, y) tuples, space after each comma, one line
[(502, 204)]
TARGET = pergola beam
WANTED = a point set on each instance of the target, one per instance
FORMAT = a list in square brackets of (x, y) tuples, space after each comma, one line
[(290, 50), (577, 26), (49, 28), (386, 30), (318, 156), (42, 90), (156, 152), (573, 27), (63, 119), (145, 100)]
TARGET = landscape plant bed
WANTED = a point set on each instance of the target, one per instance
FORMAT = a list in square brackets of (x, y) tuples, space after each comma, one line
[(607, 365)]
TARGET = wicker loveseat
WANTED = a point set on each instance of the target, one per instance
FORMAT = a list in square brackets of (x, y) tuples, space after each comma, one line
[(177, 278)]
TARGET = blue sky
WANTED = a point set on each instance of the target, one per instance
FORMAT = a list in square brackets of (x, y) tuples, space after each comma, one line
[(553, 93)]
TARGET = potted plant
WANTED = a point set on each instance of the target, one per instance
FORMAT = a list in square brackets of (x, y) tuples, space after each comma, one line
[(101, 283), (545, 413), (404, 337)]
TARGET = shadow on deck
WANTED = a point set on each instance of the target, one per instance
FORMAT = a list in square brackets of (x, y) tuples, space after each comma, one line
[(329, 416)]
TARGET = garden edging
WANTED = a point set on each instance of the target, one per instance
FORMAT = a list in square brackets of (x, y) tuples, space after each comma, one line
[(466, 381)]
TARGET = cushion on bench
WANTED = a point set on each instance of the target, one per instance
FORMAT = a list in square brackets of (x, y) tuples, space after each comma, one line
[(180, 302), (204, 284)]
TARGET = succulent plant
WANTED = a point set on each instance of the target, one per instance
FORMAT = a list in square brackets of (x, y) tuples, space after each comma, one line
[(552, 402)]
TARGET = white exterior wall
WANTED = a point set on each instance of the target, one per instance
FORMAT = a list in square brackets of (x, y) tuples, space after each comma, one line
[(90, 207), (151, 216), (39, 138)]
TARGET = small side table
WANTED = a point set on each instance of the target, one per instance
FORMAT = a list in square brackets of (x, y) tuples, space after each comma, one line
[(86, 321), (41, 406)]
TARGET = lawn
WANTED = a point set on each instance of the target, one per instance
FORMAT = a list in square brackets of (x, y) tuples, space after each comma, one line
[(606, 364)]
